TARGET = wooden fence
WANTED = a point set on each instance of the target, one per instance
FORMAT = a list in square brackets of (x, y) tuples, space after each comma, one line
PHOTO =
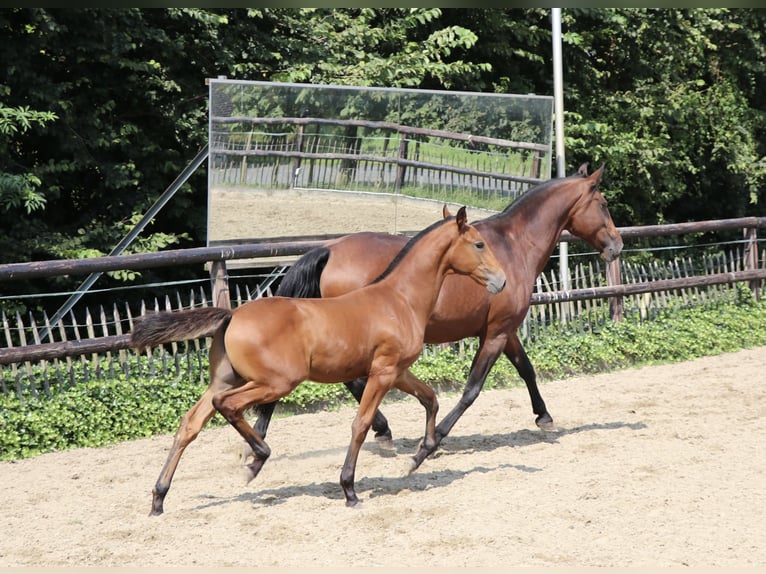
[(33, 361), (375, 155)]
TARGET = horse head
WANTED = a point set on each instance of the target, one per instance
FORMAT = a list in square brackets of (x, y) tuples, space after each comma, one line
[(471, 255), (590, 219)]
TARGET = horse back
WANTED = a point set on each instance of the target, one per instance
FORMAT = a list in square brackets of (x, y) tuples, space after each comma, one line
[(324, 340), (357, 260)]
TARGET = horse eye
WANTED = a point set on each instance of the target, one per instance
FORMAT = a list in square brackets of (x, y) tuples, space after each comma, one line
[(479, 245)]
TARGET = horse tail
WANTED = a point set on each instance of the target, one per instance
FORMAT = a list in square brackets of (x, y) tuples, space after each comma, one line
[(156, 328), (302, 279)]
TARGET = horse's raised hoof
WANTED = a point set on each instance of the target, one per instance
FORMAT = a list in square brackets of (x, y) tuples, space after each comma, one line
[(545, 422), (385, 443), (412, 465), (251, 470)]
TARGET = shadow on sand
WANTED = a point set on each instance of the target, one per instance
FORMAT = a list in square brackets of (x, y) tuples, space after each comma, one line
[(422, 479)]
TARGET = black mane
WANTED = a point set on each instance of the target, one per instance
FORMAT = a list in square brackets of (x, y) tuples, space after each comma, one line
[(410, 244), (533, 192)]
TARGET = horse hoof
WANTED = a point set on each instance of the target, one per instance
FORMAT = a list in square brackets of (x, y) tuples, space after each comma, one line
[(247, 474), (545, 422), (412, 466), (385, 444)]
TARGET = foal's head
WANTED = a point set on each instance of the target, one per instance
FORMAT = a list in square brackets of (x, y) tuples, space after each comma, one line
[(470, 255)]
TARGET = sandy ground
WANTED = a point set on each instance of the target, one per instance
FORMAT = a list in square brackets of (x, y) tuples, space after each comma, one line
[(657, 466), (248, 213)]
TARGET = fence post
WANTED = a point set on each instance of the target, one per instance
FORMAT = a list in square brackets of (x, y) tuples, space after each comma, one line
[(220, 280), (297, 160), (401, 168), (751, 258), (613, 278)]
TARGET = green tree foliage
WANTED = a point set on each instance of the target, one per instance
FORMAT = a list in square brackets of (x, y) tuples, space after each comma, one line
[(126, 87), (668, 99), (100, 109), (19, 190)]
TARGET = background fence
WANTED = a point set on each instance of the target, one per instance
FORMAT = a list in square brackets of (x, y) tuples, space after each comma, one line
[(40, 357)]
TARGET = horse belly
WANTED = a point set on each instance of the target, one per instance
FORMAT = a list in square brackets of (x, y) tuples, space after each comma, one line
[(337, 360), (265, 341)]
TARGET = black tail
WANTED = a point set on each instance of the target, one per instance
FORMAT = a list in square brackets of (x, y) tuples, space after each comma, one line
[(156, 328), (302, 279)]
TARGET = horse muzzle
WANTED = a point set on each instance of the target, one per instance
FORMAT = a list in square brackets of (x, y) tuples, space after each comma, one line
[(496, 282), (612, 250)]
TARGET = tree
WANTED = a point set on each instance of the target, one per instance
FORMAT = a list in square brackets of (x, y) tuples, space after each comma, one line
[(18, 191), (126, 87), (664, 97)]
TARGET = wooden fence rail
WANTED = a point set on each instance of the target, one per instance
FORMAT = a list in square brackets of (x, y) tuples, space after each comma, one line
[(643, 289)]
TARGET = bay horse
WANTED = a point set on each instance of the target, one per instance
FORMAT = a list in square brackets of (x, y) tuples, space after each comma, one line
[(264, 349), (522, 236)]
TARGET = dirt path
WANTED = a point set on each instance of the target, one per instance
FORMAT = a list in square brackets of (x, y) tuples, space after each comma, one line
[(659, 466)]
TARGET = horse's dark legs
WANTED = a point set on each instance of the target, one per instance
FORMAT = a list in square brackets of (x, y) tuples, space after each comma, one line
[(379, 423), (263, 414), (518, 357), (383, 435), (410, 384), (485, 358)]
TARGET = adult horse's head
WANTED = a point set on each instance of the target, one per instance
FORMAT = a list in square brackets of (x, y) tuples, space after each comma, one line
[(590, 219), (472, 256)]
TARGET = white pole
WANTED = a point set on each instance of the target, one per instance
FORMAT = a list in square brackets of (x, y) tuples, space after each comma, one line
[(558, 112)]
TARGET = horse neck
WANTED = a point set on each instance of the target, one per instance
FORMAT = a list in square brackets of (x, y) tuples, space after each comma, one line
[(419, 275), (533, 225)]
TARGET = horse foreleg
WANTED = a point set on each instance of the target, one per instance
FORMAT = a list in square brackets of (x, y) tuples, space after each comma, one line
[(263, 413), (379, 423), (518, 357), (232, 404), (373, 394), (486, 356), (191, 424), (410, 384)]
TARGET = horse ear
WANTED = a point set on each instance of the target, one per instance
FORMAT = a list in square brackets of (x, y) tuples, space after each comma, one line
[(596, 177), (445, 212), (583, 169), (461, 218)]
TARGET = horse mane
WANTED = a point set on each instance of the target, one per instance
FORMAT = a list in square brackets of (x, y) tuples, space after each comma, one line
[(408, 247), (533, 192)]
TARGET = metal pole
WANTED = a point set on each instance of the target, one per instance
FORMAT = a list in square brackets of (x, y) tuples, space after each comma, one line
[(558, 112), (131, 236)]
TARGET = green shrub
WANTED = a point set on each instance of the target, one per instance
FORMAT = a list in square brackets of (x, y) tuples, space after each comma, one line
[(102, 412)]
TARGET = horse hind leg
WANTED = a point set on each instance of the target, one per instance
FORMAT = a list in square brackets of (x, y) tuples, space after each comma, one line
[(222, 377), (232, 404), (190, 427)]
